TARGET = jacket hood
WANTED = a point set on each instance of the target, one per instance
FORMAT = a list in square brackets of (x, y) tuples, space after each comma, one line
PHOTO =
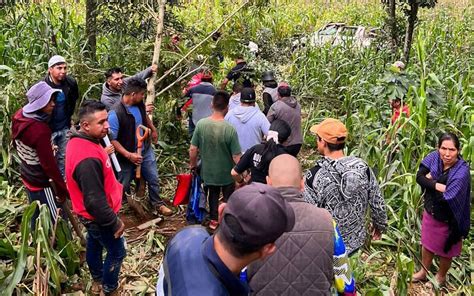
[(245, 113), (290, 101), (20, 123), (106, 91), (291, 194)]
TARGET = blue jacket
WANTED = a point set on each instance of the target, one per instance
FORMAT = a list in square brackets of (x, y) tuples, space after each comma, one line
[(192, 267)]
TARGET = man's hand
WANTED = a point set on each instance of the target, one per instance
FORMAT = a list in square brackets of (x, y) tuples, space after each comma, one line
[(149, 108), (135, 158), (376, 234), (154, 68), (154, 136), (119, 231), (440, 187), (109, 149), (428, 176)]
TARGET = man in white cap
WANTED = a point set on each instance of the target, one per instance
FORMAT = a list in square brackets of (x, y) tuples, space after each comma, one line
[(32, 140), (65, 104)]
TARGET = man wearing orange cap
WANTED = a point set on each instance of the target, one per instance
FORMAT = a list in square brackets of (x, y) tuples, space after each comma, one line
[(345, 186)]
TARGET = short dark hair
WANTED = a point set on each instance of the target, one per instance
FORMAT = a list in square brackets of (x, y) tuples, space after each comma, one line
[(449, 137), (237, 87), (220, 101), (90, 107), (333, 147), (284, 91), (111, 71), (134, 85), (238, 248)]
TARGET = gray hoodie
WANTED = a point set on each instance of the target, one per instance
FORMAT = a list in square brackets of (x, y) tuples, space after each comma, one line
[(289, 110), (110, 97), (250, 123)]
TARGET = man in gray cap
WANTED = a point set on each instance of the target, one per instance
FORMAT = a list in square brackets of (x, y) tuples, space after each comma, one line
[(247, 119), (198, 264), (65, 104), (32, 140)]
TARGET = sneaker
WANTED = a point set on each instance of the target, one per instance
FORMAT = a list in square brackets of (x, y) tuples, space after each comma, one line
[(165, 211), (213, 224)]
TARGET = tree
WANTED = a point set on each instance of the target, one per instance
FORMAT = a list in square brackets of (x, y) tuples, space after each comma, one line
[(91, 28)]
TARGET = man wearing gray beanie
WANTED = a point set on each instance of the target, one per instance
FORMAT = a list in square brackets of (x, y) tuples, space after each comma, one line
[(66, 100)]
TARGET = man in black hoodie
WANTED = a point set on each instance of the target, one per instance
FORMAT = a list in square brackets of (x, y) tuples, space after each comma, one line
[(65, 104), (32, 140)]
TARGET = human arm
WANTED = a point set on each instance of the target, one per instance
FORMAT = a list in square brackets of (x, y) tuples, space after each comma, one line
[(114, 128), (343, 279), (310, 194), (154, 132), (423, 178), (267, 101), (377, 205), (193, 154), (90, 180), (109, 149), (47, 161), (224, 83), (73, 95)]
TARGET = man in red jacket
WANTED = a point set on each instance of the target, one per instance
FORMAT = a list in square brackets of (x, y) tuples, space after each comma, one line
[(32, 140), (96, 197)]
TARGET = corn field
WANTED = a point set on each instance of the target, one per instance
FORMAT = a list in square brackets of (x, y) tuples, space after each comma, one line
[(330, 81)]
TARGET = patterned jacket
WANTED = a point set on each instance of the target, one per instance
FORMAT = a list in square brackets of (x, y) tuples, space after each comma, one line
[(346, 187)]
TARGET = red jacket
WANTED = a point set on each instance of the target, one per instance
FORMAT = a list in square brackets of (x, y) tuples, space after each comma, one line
[(95, 192), (32, 140)]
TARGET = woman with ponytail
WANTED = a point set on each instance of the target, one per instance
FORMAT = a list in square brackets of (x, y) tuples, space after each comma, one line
[(257, 159)]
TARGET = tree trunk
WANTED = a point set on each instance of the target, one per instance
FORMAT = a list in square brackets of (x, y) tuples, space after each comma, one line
[(150, 98), (91, 28), (393, 24), (412, 18)]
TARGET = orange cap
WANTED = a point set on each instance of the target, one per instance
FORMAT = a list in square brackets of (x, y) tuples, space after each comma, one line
[(330, 130)]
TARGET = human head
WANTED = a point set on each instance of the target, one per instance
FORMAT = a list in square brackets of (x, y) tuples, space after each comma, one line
[(239, 59), (395, 103), (93, 119), (220, 101), (268, 76), (331, 134), (449, 147), (41, 97), (282, 128), (247, 95), (253, 219), (284, 90), (57, 68), (134, 90), (285, 171), (206, 76), (237, 88), (399, 65), (114, 78)]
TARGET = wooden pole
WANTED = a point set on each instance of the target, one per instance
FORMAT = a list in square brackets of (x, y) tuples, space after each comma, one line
[(150, 98)]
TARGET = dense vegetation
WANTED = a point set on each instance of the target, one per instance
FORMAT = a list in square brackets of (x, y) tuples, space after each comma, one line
[(344, 82)]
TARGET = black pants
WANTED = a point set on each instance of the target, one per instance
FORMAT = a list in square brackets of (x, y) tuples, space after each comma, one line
[(293, 149), (213, 192)]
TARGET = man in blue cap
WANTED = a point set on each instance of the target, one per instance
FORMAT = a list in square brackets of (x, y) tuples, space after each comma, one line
[(32, 140), (65, 104)]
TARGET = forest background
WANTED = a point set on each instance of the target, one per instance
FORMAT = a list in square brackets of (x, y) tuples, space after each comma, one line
[(338, 81)]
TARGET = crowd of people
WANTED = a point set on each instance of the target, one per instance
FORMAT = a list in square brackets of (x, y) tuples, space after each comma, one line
[(276, 231)]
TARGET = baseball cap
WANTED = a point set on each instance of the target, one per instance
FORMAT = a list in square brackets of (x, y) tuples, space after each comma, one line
[(38, 96), (56, 59), (247, 95), (256, 215), (330, 130)]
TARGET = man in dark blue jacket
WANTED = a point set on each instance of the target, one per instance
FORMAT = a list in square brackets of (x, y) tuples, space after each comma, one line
[(198, 264)]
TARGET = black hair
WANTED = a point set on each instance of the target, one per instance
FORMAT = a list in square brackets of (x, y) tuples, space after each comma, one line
[(237, 87), (270, 83), (206, 76), (220, 101), (335, 147), (284, 91), (90, 107), (270, 149), (449, 137), (134, 85), (234, 243), (111, 71)]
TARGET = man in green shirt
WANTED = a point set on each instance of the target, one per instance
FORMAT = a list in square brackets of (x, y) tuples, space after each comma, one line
[(217, 144)]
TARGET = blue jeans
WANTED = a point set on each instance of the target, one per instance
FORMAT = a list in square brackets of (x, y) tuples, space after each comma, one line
[(60, 139), (105, 272), (149, 172)]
